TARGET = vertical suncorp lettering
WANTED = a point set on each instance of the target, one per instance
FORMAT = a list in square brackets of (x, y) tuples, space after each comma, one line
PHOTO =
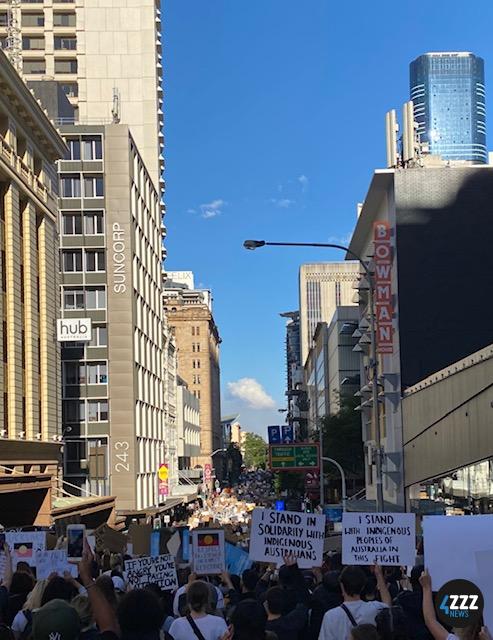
[(118, 259)]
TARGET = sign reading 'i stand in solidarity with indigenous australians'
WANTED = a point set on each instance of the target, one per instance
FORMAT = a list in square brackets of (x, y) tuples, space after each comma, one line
[(276, 534)]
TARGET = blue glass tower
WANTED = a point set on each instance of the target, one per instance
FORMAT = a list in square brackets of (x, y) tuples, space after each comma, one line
[(448, 93)]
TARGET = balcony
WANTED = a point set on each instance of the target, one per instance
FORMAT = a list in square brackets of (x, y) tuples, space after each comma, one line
[(27, 175)]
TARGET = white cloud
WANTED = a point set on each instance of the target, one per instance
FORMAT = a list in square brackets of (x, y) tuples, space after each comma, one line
[(345, 239), (252, 393), (282, 203), (212, 209), (303, 180), (191, 211)]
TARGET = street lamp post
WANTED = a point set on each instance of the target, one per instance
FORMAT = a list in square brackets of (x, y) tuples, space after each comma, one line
[(256, 244), (343, 479)]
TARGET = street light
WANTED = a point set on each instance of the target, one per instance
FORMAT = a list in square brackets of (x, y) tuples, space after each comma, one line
[(373, 366), (343, 479)]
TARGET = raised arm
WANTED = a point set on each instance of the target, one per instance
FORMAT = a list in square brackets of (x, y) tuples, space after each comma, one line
[(434, 627), (382, 586), (9, 571), (103, 613)]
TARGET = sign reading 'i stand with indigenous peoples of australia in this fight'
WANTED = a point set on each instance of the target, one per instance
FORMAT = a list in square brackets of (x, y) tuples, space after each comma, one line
[(276, 534), (379, 538)]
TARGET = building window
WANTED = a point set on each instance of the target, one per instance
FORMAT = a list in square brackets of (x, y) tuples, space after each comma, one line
[(93, 186), (95, 298), (72, 224), (74, 411), (97, 410), (65, 66), (70, 186), (64, 19), (33, 20), (93, 223), (4, 21), (34, 67), (93, 147), (73, 373), (196, 364), (72, 261), (95, 261), (33, 43), (99, 336), (70, 89), (73, 299), (73, 145), (65, 43), (196, 379), (97, 373)]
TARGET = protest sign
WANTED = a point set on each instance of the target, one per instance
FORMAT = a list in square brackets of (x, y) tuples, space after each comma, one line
[(276, 534), (237, 560), (461, 548), (108, 539), (24, 545), (208, 551), (140, 535), (379, 538), (160, 570), (48, 562)]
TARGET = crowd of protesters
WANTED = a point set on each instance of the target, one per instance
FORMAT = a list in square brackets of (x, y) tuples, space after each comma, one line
[(264, 603)]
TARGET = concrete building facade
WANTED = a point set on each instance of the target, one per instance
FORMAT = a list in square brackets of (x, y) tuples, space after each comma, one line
[(324, 286), (188, 430), (171, 405), (106, 57), (111, 251), (30, 357), (189, 313)]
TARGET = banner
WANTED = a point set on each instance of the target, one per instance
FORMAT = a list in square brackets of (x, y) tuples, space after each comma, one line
[(208, 551), (275, 534), (48, 562), (384, 309), (237, 560), (24, 545), (160, 570), (379, 538), (163, 487)]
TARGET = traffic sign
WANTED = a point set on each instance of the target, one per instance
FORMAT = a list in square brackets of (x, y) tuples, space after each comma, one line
[(274, 433), (294, 457)]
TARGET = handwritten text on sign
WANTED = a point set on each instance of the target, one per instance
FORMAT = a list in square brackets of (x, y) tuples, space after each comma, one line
[(208, 551), (276, 534), (158, 570), (379, 538)]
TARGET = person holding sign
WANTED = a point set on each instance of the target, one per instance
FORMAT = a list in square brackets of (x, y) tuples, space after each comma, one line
[(338, 623)]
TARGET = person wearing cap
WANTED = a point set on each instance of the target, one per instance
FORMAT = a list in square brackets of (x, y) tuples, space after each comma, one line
[(57, 620)]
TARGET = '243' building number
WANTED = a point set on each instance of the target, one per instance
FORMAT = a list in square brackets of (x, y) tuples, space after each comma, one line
[(121, 454)]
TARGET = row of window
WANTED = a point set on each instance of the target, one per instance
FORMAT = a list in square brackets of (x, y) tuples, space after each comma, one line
[(60, 43), (77, 373), (38, 66), (75, 223), (82, 410), (80, 298), (99, 339), (94, 260), (37, 19), (85, 148), (72, 186)]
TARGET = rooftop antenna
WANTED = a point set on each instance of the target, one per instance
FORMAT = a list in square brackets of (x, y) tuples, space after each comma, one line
[(115, 109), (13, 46), (391, 129)]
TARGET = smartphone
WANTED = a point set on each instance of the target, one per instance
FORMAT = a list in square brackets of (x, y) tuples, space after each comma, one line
[(76, 534)]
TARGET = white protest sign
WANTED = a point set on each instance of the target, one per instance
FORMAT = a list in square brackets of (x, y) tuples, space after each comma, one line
[(379, 538), (208, 554), (276, 534), (160, 570), (24, 545), (461, 547), (48, 562)]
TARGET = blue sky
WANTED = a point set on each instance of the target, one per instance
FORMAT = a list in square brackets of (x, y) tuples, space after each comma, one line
[(274, 122)]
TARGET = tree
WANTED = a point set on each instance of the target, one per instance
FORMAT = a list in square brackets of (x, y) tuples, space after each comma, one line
[(343, 442), (255, 451)]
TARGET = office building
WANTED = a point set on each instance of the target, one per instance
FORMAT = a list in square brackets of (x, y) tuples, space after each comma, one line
[(114, 413), (190, 317), (433, 225), (188, 431), (105, 56), (332, 368), (30, 450), (296, 415), (170, 386), (448, 93), (323, 287)]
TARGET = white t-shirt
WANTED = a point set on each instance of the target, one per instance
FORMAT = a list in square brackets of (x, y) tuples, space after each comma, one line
[(181, 591), (336, 624), (211, 627)]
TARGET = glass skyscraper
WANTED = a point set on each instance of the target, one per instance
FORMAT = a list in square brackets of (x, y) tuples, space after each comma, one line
[(448, 93)]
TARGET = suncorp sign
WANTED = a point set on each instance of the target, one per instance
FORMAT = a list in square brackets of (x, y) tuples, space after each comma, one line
[(74, 330)]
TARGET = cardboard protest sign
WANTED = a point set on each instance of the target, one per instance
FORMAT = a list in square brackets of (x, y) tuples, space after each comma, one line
[(159, 570), (140, 535), (24, 545), (48, 562), (379, 538), (461, 548), (276, 534), (208, 554), (237, 560), (108, 539)]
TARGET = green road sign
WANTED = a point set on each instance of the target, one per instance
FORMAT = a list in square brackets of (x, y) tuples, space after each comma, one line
[(294, 457)]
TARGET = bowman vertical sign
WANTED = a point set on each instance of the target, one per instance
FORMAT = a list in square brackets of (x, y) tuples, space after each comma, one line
[(384, 309)]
